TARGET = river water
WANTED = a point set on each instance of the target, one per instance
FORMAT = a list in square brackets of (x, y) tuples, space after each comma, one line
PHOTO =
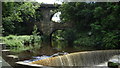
[(86, 58), (62, 57)]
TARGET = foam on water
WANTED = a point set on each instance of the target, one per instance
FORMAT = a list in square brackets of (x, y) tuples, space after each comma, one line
[(88, 58)]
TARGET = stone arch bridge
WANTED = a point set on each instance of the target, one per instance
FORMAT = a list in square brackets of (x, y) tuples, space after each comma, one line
[(46, 25)]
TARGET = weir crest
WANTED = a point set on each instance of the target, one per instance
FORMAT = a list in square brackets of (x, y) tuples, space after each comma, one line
[(87, 58)]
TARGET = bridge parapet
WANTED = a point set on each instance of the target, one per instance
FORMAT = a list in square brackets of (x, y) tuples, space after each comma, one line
[(46, 10)]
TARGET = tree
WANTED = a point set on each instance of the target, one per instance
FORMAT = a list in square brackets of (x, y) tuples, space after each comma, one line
[(16, 14), (96, 24)]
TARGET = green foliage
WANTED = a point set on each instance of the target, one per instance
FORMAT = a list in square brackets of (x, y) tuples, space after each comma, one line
[(67, 36), (113, 64), (15, 41), (96, 24), (57, 35), (58, 40), (16, 14), (14, 11), (19, 41), (70, 36), (34, 38), (111, 40), (35, 29), (84, 41), (21, 49), (24, 42)]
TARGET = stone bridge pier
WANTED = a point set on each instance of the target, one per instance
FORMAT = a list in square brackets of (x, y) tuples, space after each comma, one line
[(46, 26)]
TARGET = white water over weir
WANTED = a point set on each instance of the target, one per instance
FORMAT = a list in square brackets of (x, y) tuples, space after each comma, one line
[(87, 58)]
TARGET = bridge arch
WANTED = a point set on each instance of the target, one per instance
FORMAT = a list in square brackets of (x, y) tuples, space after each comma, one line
[(46, 26), (50, 36)]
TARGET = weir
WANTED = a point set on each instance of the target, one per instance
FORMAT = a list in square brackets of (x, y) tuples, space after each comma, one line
[(87, 58)]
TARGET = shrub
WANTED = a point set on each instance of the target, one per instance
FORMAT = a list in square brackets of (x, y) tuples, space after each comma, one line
[(18, 41)]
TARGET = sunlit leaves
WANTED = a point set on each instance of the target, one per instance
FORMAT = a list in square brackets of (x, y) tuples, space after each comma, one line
[(17, 12)]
